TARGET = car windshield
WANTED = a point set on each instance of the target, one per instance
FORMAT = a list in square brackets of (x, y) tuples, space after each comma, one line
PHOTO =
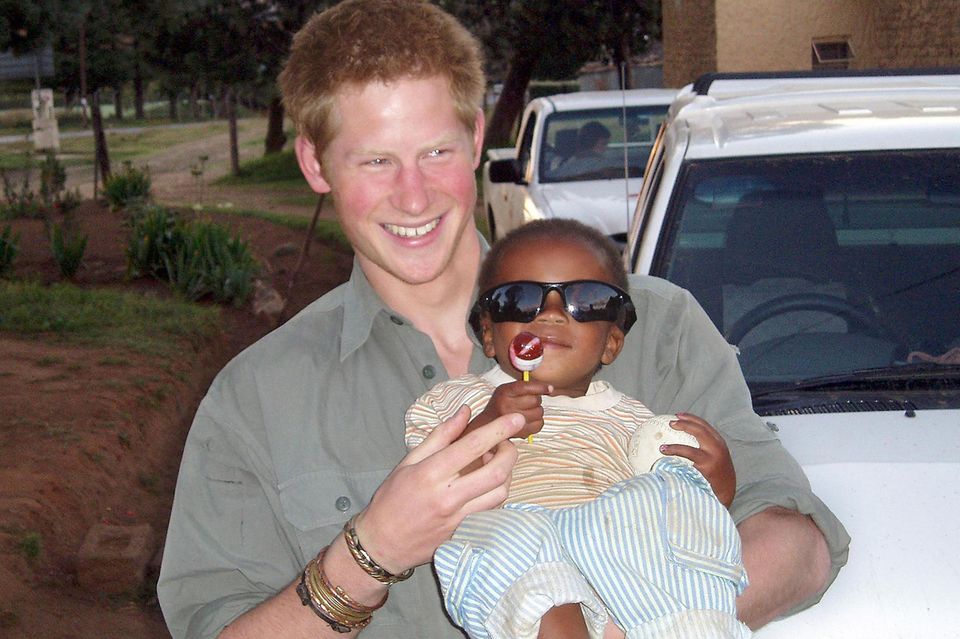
[(820, 265), (589, 144)]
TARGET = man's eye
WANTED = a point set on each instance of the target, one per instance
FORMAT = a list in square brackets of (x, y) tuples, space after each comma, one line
[(378, 162), (435, 153)]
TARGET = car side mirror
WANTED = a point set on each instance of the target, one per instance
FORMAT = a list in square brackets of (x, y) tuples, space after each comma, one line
[(505, 171)]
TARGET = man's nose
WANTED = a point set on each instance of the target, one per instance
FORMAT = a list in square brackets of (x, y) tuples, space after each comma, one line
[(410, 193)]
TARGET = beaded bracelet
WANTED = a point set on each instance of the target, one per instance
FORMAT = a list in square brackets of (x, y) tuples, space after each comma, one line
[(334, 606), (368, 563)]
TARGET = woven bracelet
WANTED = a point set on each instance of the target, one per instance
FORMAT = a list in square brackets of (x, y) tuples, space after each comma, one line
[(368, 563)]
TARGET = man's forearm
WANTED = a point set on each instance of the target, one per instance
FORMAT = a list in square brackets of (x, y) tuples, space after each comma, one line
[(787, 562), (285, 615)]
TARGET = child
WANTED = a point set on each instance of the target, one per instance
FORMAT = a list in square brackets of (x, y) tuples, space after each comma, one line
[(652, 548)]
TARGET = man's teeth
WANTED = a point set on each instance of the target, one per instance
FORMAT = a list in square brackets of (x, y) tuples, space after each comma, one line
[(406, 231)]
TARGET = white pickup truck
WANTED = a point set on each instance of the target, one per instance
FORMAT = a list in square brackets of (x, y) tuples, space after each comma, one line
[(578, 155), (816, 218)]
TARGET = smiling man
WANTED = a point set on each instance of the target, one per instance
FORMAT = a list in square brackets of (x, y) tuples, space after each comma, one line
[(299, 512)]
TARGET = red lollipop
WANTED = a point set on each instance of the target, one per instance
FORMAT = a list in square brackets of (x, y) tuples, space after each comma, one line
[(526, 353)]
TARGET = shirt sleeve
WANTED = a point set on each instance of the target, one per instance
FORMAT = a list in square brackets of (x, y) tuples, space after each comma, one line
[(441, 402), (225, 551), (422, 417)]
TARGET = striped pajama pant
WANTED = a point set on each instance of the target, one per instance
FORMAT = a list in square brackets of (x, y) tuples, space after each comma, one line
[(657, 552)]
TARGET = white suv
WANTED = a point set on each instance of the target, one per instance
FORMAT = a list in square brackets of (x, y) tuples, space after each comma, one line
[(817, 220)]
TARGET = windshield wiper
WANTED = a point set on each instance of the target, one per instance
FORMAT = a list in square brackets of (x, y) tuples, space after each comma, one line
[(919, 376)]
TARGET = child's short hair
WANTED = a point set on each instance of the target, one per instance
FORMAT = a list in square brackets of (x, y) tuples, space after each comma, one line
[(528, 235), (357, 42)]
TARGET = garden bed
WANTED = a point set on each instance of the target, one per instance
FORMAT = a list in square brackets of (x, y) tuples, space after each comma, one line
[(92, 435)]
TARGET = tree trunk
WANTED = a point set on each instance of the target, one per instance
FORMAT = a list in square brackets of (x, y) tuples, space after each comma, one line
[(511, 102), (117, 103), (138, 98), (172, 106), (99, 139), (622, 60), (231, 105), (195, 102), (82, 54), (276, 138)]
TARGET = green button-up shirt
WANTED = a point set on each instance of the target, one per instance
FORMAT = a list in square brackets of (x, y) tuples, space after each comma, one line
[(298, 431)]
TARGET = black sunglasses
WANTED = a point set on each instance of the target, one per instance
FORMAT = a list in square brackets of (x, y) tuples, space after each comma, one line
[(584, 300)]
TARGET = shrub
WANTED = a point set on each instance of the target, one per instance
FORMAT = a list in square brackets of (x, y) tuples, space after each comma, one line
[(209, 262), (9, 245), (155, 233), (30, 545), (53, 180), (19, 200), (67, 251), (129, 186)]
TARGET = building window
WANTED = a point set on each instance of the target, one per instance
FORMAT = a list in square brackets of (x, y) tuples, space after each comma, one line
[(831, 53)]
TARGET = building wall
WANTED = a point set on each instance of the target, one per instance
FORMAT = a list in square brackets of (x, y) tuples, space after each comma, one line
[(775, 35), (917, 33), (700, 36), (690, 40)]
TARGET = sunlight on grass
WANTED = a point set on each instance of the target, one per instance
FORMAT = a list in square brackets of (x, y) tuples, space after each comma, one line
[(122, 145), (277, 169), (105, 318)]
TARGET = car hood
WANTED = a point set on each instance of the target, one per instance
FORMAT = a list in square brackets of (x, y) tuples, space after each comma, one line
[(891, 479), (597, 203)]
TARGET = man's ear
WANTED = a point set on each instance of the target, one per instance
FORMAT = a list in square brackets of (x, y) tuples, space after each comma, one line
[(486, 336), (310, 165), (614, 345), (478, 131)]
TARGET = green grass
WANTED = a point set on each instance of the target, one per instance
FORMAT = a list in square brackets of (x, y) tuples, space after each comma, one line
[(104, 318), (121, 146), (279, 170)]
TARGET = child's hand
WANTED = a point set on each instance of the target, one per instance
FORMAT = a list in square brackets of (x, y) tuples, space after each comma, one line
[(712, 459), (519, 397)]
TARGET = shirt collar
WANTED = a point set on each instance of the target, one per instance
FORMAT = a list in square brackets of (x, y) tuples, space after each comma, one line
[(361, 304)]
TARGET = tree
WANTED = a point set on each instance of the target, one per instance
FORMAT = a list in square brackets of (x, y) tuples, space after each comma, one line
[(627, 27), (549, 39), (272, 34), (24, 26)]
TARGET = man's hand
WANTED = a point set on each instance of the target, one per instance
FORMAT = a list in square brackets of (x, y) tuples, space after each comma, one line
[(712, 459), (422, 501)]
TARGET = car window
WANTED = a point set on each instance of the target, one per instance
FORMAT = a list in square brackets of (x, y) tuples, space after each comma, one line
[(821, 264), (590, 144)]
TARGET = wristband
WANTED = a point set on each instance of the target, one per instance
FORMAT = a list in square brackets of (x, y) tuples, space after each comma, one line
[(368, 563)]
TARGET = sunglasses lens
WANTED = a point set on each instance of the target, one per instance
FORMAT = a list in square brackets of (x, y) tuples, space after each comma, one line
[(515, 302), (592, 301), (586, 301)]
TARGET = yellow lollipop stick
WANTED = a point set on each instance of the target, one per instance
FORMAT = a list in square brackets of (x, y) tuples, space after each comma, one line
[(526, 378)]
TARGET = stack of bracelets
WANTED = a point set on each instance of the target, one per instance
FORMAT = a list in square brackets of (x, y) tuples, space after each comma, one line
[(331, 603)]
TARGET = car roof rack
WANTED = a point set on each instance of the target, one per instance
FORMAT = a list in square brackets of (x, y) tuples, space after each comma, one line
[(718, 81)]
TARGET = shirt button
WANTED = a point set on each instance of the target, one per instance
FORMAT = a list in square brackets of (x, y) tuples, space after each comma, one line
[(429, 372), (396, 320), (343, 503)]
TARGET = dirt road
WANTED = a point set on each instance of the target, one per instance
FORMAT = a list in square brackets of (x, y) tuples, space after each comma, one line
[(174, 183)]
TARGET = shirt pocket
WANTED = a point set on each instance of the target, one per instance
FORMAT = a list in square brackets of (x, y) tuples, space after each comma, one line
[(318, 503)]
